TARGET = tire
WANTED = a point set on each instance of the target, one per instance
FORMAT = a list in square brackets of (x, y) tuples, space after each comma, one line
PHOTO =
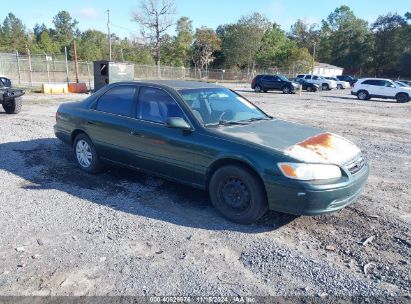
[(86, 154), (257, 89), (309, 89), (339, 87), (287, 90), (402, 97), (363, 95), (325, 87), (14, 106), (265, 91), (250, 200)]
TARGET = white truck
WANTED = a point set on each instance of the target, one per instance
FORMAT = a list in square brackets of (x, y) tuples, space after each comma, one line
[(324, 84)]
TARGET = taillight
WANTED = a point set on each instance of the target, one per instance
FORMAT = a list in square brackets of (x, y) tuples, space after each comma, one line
[(253, 82)]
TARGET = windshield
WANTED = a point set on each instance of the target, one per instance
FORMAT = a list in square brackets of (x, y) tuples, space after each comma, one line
[(283, 78), (401, 84), (219, 106)]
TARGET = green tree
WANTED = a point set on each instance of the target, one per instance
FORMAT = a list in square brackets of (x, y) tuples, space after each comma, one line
[(389, 33), (205, 44), (345, 39), (242, 40), (183, 41), (275, 48), (13, 34), (305, 34), (93, 45), (65, 28)]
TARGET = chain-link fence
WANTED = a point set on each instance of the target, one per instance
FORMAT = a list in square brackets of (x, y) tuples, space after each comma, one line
[(33, 70)]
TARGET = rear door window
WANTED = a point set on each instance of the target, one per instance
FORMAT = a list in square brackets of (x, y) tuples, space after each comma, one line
[(269, 78), (307, 77), (118, 100)]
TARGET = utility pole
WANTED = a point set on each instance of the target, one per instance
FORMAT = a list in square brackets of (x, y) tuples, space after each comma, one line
[(108, 32), (312, 68)]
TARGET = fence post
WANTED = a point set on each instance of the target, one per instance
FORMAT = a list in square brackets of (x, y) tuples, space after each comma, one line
[(67, 72), (54, 69), (30, 71), (18, 66), (48, 70)]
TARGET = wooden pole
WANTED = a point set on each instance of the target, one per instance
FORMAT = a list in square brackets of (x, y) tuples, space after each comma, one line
[(75, 60)]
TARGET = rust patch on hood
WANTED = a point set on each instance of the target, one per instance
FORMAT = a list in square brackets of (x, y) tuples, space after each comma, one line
[(324, 148), (318, 143)]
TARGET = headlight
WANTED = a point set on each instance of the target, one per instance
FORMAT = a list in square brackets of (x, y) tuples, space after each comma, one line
[(302, 171)]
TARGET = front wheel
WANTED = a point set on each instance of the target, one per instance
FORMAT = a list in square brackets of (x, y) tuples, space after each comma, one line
[(362, 95), (309, 89), (325, 87), (86, 154), (339, 87), (286, 90), (13, 106), (238, 194)]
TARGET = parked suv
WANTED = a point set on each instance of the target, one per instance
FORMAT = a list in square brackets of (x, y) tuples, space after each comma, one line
[(341, 84), (368, 88), (347, 78), (324, 84), (264, 83)]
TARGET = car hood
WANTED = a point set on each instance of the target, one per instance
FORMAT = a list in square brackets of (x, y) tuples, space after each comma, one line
[(301, 142)]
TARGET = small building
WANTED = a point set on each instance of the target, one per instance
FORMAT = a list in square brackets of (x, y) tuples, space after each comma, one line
[(328, 70), (106, 72)]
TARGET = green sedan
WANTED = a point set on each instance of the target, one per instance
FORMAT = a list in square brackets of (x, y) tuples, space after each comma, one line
[(212, 138)]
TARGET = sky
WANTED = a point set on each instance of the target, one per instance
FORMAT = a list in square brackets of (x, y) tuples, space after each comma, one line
[(91, 14)]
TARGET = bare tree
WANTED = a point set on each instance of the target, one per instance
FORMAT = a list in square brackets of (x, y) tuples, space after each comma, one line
[(154, 17)]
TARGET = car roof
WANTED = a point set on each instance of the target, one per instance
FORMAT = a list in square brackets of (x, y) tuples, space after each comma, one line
[(374, 79), (175, 84), (180, 84)]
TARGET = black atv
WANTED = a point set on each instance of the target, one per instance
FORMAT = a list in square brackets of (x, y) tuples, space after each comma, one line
[(10, 98)]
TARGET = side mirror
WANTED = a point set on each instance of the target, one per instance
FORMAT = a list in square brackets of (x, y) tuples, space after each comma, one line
[(177, 123)]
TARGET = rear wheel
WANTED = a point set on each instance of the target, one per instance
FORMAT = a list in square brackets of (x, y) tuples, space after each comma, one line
[(257, 88), (325, 87), (86, 154), (13, 106), (402, 97), (238, 194), (363, 95), (309, 89)]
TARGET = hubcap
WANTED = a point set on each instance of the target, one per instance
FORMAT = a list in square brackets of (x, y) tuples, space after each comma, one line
[(362, 95), (83, 153), (286, 90), (235, 194), (257, 89)]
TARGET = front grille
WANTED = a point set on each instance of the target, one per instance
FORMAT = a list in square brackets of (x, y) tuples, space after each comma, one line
[(356, 165)]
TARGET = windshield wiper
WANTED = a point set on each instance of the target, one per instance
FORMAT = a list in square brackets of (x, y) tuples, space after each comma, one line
[(256, 119), (225, 123)]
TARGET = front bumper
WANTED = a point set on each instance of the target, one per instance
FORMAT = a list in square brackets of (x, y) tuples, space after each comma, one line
[(311, 198)]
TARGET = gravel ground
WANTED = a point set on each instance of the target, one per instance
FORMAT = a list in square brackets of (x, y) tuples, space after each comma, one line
[(64, 232)]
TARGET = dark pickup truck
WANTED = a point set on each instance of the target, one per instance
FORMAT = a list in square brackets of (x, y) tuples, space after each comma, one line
[(10, 98)]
